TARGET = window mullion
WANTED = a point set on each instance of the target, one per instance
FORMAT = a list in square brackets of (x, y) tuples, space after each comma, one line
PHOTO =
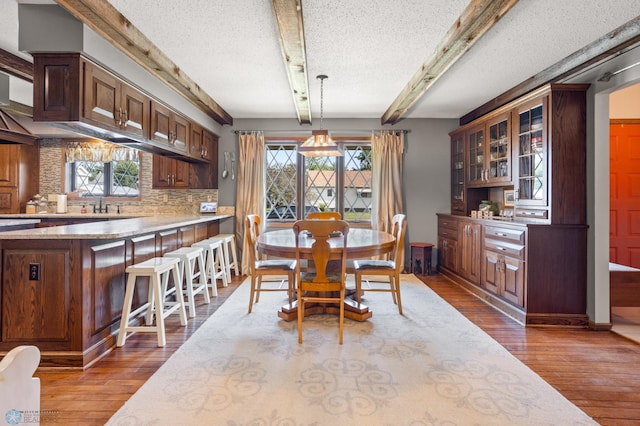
[(107, 179), (301, 182)]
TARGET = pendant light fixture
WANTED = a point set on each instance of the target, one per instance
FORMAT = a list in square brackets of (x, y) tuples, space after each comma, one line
[(320, 143)]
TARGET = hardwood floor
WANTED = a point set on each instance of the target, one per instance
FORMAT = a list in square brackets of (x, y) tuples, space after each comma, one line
[(597, 371)]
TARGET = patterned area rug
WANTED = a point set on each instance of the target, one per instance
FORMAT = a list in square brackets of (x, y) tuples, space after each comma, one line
[(429, 367)]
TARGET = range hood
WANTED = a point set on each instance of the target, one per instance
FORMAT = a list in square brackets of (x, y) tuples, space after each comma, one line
[(11, 131)]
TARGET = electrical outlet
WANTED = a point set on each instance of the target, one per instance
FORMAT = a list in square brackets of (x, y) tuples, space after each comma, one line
[(34, 272), (190, 198), (165, 198)]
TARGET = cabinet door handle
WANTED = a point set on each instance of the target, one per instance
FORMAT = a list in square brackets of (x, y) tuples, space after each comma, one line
[(125, 118), (501, 248), (500, 234), (119, 120)]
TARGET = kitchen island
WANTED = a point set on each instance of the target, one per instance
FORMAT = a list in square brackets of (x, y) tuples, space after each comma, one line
[(63, 287)]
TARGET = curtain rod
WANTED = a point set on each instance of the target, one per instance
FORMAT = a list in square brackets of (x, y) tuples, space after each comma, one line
[(405, 131)]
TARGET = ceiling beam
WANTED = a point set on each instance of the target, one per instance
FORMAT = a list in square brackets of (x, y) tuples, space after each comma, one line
[(478, 17), (105, 20), (288, 14), (16, 66), (606, 47)]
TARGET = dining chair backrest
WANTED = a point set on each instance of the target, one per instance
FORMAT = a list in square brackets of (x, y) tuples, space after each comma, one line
[(321, 284), (252, 232), (325, 215), (398, 229), (321, 231)]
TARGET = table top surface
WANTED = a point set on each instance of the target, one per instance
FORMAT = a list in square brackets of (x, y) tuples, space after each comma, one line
[(361, 243)]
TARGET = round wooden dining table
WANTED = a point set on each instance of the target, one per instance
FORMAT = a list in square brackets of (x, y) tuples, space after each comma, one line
[(362, 243)]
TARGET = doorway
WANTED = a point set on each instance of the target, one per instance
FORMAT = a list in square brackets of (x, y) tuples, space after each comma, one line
[(624, 205)]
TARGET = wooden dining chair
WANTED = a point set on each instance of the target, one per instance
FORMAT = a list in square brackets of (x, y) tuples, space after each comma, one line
[(322, 284), (260, 268), (391, 268), (325, 215)]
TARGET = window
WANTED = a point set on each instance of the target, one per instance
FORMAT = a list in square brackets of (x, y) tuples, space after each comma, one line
[(117, 177), (318, 183)]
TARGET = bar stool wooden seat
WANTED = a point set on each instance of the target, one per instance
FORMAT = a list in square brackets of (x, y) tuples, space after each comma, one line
[(194, 279), (214, 262), (231, 253), (158, 270)]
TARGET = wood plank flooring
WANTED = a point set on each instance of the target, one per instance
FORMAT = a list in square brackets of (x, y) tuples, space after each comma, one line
[(597, 371)]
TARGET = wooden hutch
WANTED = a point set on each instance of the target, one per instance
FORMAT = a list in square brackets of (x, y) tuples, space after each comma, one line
[(533, 263)]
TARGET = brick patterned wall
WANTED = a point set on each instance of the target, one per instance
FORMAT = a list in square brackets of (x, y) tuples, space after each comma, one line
[(151, 200)]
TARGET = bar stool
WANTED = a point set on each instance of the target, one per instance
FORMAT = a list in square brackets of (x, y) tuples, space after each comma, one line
[(214, 262), (158, 270), (195, 281), (230, 243)]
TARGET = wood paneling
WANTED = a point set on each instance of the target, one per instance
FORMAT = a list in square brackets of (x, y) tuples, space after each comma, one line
[(36, 310), (107, 283)]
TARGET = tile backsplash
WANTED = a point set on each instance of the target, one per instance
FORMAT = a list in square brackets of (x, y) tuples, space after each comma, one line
[(152, 201)]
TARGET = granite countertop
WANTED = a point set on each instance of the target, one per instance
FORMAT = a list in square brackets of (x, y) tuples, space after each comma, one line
[(71, 216), (109, 229), (17, 222)]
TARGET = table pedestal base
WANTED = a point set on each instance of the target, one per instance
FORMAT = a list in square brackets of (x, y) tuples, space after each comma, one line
[(352, 310)]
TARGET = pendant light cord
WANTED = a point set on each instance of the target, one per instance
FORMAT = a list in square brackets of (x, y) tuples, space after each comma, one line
[(321, 77)]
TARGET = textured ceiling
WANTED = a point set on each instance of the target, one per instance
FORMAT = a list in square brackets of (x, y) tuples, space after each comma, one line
[(368, 48)]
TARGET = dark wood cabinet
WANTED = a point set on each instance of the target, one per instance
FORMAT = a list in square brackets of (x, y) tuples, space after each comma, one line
[(488, 149), (448, 243), (19, 176), (533, 267), (111, 103), (169, 128), (458, 197), (170, 173), (175, 174), (549, 134), (504, 262), (469, 242), (88, 99), (534, 272)]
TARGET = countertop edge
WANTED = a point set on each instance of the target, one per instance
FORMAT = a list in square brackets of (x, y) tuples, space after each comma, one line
[(112, 229)]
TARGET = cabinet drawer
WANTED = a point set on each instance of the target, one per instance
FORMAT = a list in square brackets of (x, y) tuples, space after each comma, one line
[(532, 213), (510, 249), (448, 228), (509, 234)]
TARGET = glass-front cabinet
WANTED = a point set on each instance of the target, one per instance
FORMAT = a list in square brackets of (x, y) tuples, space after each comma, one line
[(531, 155), (489, 153), (475, 156), (458, 205), (499, 146)]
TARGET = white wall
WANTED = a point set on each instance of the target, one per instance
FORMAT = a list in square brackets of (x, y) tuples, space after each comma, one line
[(426, 173), (625, 103)]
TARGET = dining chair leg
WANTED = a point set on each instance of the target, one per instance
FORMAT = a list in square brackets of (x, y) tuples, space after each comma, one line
[(393, 283), (300, 316), (396, 284), (341, 313), (258, 288), (253, 291)]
